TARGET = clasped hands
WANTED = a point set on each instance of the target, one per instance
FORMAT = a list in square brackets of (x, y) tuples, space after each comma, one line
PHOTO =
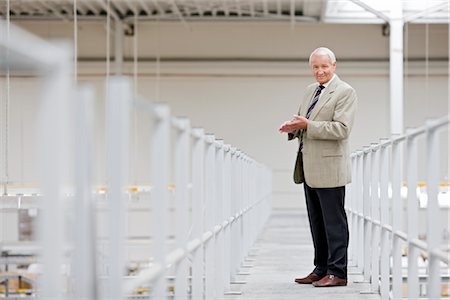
[(297, 122)]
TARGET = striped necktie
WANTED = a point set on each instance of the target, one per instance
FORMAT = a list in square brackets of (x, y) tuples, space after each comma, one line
[(314, 101), (310, 108)]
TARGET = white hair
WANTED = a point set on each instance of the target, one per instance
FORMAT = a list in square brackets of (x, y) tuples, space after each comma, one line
[(323, 51)]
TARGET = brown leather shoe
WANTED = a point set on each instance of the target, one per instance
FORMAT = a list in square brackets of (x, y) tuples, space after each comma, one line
[(312, 277), (330, 280)]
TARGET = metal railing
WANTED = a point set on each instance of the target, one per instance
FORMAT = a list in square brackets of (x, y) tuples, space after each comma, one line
[(376, 214), (221, 197), (230, 203)]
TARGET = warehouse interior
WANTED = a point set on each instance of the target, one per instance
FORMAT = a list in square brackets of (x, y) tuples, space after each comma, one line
[(140, 156)]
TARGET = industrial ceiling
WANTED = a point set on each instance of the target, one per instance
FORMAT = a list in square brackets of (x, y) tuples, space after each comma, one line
[(327, 11)]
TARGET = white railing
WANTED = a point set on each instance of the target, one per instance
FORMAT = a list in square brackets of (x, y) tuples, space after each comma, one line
[(376, 214), (230, 204), (207, 201), (50, 63)]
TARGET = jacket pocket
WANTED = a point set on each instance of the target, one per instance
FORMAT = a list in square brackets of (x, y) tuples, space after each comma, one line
[(332, 152)]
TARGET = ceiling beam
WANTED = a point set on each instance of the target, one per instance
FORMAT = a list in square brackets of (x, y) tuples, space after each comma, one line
[(53, 10), (292, 13), (265, 7), (370, 9), (91, 7), (80, 7), (414, 16), (112, 12), (225, 9), (131, 6), (118, 5), (34, 6), (252, 9), (158, 8), (238, 8), (145, 7), (179, 13), (323, 11), (198, 7)]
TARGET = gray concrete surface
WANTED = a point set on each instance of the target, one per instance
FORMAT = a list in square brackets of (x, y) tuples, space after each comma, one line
[(283, 252)]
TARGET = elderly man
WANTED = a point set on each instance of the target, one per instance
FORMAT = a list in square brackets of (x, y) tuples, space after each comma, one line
[(322, 126)]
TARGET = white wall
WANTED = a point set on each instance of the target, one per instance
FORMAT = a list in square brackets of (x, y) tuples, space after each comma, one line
[(241, 100)]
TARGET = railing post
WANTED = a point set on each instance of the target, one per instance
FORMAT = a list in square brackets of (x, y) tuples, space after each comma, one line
[(360, 215), (160, 194), (118, 119), (384, 209), (353, 221), (375, 206), (182, 145), (433, 213), (209, 214), (240, 204), (366, 156), (235, 212), (54, 164), (227, 213), (397, 219), (220, 216), (84, 250), (413, 216), (198, 154)]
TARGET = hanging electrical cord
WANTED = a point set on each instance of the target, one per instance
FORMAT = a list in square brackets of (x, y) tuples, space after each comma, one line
[(108, 41), (406, 65), (158, 62), (7, 102), (427, 54), (75, 41), (135, 53), (135, 93)]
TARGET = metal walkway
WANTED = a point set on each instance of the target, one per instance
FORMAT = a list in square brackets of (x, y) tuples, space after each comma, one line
[(283, 252)]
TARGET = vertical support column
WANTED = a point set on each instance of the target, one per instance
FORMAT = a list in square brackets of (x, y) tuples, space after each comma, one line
[(159, 194), (384, 209), (209, 214), (433, 213), (375, 209), (181, 199), (198, 155), (366, 213), (53, 165), (84, 250), (397, 219), (220, 217), (413, 215), (396, 66), (117, 130)]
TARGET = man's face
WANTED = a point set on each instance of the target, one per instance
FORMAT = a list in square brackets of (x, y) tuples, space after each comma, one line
[(322, 68)]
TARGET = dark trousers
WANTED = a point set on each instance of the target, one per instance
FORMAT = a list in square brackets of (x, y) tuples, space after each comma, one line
[(329, 229)]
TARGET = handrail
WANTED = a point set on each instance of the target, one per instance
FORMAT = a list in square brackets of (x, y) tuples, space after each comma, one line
[(376, 217)]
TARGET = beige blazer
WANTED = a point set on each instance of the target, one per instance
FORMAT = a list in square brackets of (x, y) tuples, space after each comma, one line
[(326, 158)]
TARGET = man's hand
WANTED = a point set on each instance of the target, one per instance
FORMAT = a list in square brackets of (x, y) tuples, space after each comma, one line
[(297, 122)]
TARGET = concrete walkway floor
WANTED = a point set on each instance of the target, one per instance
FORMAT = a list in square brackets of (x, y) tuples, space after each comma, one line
[(283, 252)]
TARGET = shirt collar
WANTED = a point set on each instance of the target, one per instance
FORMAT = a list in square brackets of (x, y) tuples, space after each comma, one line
[(329, 81)]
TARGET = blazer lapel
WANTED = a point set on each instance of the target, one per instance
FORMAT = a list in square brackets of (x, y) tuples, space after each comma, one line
[(324, 98)]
